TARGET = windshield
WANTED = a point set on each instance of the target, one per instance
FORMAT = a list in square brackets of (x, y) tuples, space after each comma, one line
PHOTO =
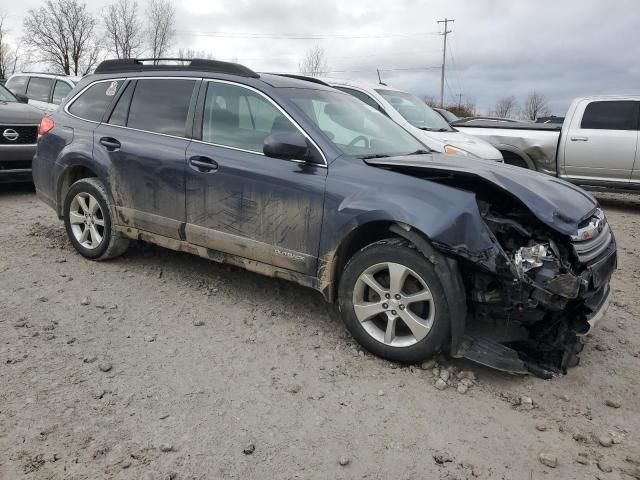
[(6, 95), (354, 127), (414, 111)]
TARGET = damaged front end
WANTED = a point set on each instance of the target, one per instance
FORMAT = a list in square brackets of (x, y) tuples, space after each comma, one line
[(545, 291)]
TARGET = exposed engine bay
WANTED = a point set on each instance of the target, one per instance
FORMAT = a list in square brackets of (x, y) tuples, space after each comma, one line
[(531, 295), (543, 287)]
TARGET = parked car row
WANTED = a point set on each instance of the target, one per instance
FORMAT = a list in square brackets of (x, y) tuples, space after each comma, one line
[(597, 145), (290, 177)]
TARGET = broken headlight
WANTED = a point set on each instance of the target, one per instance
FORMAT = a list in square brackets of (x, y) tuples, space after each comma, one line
[(527, 258)]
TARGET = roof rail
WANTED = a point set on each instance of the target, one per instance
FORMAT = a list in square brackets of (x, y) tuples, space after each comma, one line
[(123, 65), (42, 73), (305, 78)]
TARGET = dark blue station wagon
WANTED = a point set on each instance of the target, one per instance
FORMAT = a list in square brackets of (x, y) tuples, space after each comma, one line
[(287, 177)]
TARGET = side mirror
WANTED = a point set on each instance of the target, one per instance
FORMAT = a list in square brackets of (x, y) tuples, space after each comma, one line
[(22, 98), (289, 146)]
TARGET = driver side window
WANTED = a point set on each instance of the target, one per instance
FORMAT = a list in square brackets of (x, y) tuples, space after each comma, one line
[(237, 117)]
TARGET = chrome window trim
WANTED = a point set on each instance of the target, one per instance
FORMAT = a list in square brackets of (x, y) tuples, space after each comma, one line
[(281, 110)]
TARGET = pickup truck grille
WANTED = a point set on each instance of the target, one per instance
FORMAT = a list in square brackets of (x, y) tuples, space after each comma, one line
[(592, 239), (26, 134)]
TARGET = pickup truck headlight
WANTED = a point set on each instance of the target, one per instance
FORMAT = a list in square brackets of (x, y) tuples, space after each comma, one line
[(451, 150)]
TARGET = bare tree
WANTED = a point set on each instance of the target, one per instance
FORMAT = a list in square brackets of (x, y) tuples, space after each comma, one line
[(8, 54), (161, 26), (430, 100), (189, 53), (123, 28), (314, 63), (62, 33), (535, 106), (506, 107)]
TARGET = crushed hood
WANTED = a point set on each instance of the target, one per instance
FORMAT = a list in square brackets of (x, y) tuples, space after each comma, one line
[(556, 203), (14, 113)]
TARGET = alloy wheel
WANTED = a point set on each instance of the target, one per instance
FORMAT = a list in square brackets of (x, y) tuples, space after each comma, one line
[(393, 304), (87, 220)]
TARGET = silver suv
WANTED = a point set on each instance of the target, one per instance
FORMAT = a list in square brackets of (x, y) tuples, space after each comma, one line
[(44, 90)]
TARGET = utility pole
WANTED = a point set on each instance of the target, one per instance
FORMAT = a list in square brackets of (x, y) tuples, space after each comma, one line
[(459, 101), (444, 56)]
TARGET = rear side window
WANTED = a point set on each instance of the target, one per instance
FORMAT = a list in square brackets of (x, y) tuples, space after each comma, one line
[(238, 117), (39, 89), (361, 96), (18, 84), (614, 115), (93, 102), (60, 91), (161, 106)]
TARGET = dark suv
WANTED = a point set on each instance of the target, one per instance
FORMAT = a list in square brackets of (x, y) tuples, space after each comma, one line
[(290, 178)]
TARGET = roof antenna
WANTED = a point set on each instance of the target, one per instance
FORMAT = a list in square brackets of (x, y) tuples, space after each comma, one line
[(379, 79)]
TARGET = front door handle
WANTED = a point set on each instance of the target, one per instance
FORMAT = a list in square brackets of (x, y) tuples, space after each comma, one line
[(111, 144), (203, 164), (579, 139)]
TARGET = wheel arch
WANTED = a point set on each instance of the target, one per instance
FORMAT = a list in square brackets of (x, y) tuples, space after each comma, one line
[(71, 174), (516, 157), (446, 267)]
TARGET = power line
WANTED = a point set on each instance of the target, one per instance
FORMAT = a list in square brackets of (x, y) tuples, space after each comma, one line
[(297, 36), (444, 56)]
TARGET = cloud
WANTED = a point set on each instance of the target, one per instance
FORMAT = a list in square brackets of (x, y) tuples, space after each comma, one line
[(497, 48)]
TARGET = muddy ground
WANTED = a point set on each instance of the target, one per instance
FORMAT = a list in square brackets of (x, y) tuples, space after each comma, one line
[(161, 365)]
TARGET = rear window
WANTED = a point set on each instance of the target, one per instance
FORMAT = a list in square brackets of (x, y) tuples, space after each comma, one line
[(93, 102), (39, 89), (361, 96), (161, 106), (18, 84), (613, 115)]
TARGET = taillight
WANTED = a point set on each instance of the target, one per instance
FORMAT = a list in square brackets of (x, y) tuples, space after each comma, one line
[(46, 124)]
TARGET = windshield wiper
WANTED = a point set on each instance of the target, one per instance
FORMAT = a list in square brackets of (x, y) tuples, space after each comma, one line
[(419, 152), (426, 129), (368, 157)]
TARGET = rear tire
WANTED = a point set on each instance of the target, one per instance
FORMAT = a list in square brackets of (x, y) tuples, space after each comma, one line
[(88, 222), (393, 303)]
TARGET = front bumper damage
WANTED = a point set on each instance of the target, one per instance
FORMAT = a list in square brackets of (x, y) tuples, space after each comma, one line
[(528, 314)]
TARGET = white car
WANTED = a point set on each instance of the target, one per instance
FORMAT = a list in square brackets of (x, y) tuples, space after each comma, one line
[(44, 90), (414, 115)]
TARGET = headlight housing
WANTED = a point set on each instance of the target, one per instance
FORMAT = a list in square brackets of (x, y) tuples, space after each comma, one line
[(451, 150)]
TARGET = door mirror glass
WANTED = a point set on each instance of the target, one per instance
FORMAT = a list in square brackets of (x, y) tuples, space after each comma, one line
[(22, 98), (289, 146)]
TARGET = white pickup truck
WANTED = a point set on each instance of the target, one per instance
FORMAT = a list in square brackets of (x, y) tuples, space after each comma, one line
[(597, 145)]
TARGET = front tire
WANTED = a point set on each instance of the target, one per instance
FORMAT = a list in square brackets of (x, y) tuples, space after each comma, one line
[(88, 222), (393, 303)]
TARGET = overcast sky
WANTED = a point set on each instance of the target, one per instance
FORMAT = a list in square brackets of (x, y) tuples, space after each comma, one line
[(498, 47)]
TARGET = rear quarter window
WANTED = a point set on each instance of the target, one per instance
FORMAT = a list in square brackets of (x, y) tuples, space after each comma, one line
[(92, 103), (610, 115), (18, 84)]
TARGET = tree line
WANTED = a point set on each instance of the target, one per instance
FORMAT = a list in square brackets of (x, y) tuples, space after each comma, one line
[(67, 37)]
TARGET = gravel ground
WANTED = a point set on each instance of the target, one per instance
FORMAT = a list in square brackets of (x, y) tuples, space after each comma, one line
[(162, 365)]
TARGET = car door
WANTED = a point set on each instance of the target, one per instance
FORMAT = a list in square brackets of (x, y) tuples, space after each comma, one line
[(240, 201), (602, 140), (143, 142), (38, 92)]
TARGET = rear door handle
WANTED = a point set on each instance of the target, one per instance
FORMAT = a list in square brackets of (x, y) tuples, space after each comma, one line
[(579, 139), (110, 144), (203, 164)]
